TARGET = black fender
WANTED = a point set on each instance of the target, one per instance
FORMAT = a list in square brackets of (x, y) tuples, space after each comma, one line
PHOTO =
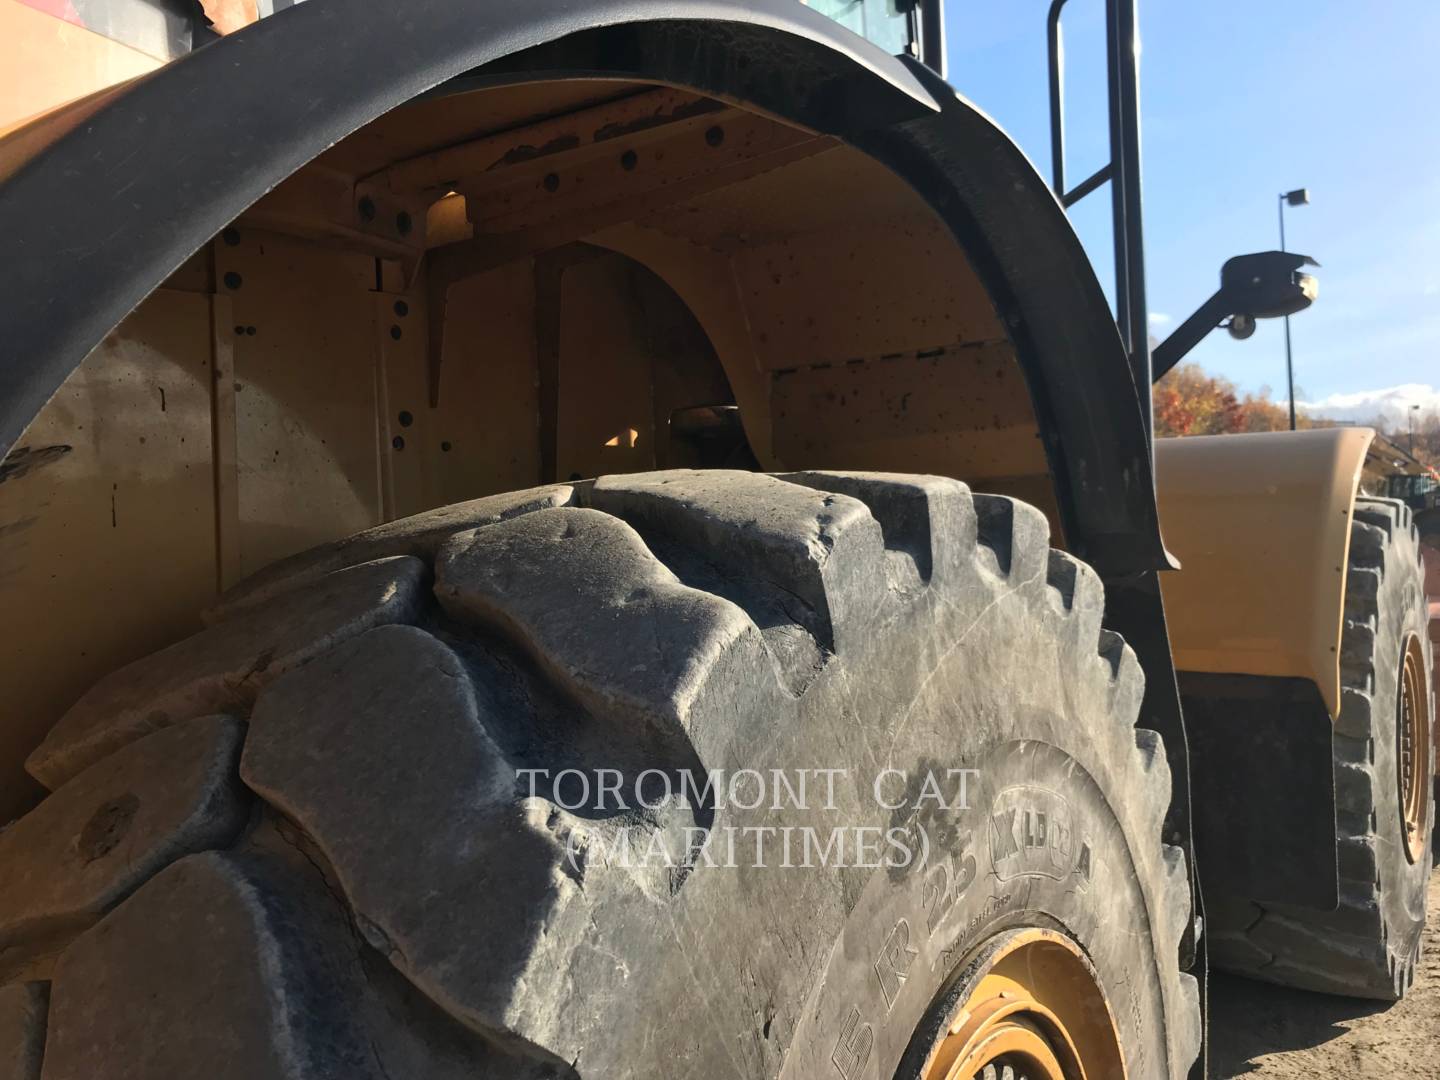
[(106, 210)]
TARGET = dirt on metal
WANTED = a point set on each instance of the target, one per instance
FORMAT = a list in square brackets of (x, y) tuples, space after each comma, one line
[(1271, 1033)]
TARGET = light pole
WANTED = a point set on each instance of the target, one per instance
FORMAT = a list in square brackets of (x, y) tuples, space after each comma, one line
[(1298, 197), (1413, 410)]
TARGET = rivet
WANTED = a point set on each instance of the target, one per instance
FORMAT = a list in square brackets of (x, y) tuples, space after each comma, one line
[(233, 280), (231, 237), (629, 160), (552, 182), (403, 223), (366, 207)]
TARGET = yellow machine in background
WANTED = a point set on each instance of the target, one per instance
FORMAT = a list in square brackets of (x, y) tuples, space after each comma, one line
[(1395, 473)]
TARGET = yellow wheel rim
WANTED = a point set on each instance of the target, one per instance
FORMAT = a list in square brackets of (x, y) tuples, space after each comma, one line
[(1412, 754), (1032, 1002)]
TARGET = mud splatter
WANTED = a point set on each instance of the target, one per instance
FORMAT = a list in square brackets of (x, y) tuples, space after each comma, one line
[(23, 460)]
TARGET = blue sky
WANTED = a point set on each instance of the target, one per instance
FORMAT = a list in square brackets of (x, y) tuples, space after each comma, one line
[(1241, 101)]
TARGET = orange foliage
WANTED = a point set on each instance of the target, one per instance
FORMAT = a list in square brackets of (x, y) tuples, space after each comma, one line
[(227, 16), (1190, 402)]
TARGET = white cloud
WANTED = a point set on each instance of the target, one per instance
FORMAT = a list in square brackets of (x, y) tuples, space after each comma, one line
[(1391, 403), (1159, 318)]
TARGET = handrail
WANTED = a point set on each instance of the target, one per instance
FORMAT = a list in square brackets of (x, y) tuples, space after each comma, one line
[(1122, 172), (1056, 48)]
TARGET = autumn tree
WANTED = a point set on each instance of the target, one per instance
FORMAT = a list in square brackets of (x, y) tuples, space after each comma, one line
[(1262, 414), (1425, 426), (1188, 401)]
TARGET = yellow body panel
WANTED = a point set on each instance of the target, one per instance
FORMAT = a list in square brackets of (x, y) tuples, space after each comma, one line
[(49, 62), (1261, 526)]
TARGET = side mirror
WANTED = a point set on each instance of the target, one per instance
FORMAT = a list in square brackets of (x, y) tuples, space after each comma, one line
[(1265, 285), (1268, 284)]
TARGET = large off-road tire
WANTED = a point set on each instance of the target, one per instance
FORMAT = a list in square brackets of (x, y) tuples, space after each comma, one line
[(301, 844), (1369, 945)]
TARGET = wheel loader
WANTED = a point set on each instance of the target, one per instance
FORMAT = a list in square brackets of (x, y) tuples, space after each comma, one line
[(1394, 472), (594, 539)]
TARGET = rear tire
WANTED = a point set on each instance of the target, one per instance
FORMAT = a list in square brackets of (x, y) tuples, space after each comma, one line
[(1369, 946), (377, 891)]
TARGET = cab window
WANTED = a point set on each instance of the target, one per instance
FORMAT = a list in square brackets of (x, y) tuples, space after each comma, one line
[(887, 23)]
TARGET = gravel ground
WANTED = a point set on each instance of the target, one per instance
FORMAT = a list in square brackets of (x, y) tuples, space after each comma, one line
[(1263, 1031)]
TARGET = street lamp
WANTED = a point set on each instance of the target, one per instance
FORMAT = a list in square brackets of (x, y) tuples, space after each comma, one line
[(1298, 197), (1413, 410)]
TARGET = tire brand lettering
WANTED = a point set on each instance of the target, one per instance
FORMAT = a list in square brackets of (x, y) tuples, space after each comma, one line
[(1002, 835), (1032, 834)]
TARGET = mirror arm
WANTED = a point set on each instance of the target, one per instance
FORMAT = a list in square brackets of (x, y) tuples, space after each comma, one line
[(1189, 334)]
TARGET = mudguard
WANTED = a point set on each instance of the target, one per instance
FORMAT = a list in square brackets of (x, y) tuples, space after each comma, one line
[(1261, 526)]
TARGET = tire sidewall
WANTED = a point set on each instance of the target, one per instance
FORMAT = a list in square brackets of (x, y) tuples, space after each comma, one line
[(1401, 616), (1037, 845)]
